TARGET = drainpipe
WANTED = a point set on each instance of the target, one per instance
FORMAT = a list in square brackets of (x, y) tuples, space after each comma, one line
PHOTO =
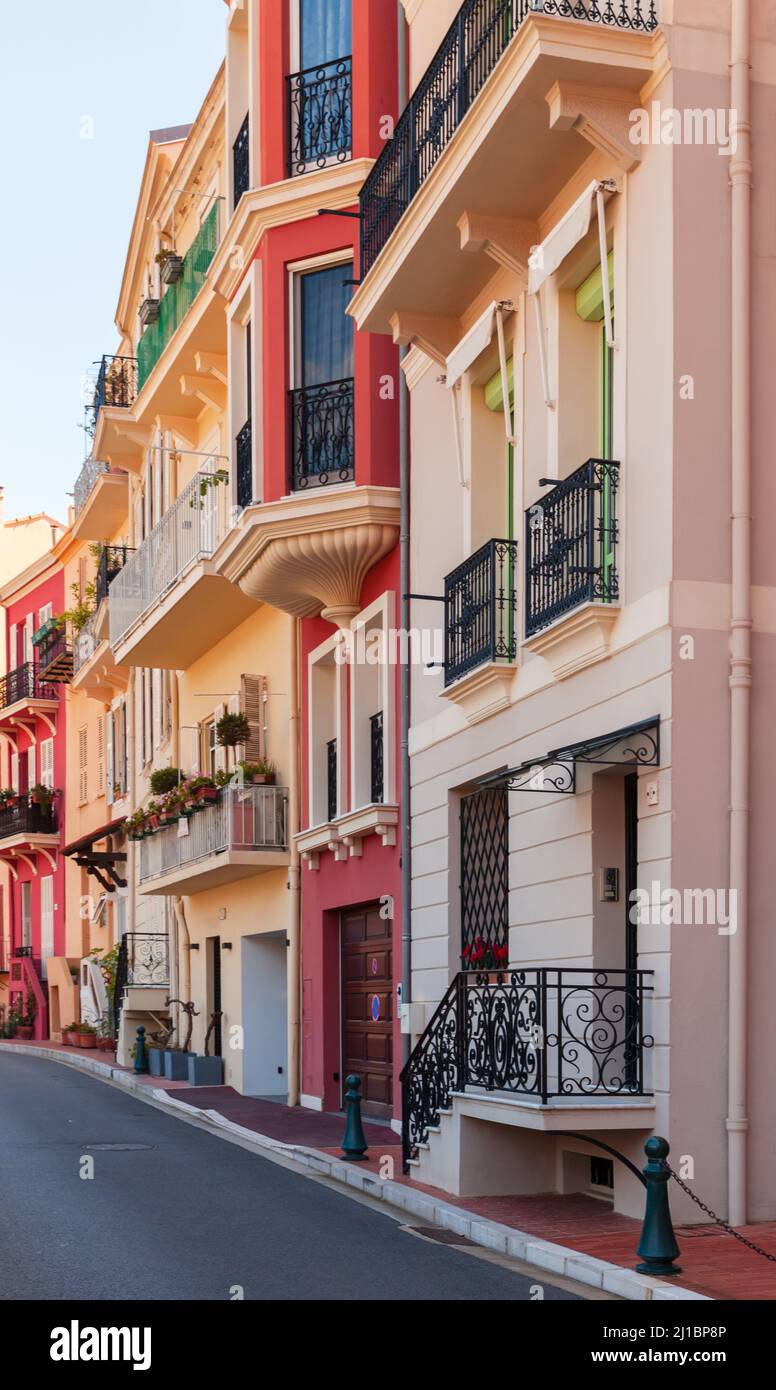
[(404, 565), (294, 874), (184, 949), (741, 612), (175, 740)]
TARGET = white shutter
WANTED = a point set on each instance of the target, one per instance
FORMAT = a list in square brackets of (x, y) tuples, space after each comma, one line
[(156, 705), (47, 763), (15, 771), (31, 778), (29, 628), (46, 922), (44, 613), (110, 758), (220, 750), (101, 755), (83, 773), (13, 647)]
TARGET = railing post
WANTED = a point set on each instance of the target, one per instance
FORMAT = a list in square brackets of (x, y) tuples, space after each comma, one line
[(657, 1248), (460, 1029), (354, 1145)]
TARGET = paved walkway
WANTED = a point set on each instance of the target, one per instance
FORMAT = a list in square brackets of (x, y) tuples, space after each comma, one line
[(712, 1262)]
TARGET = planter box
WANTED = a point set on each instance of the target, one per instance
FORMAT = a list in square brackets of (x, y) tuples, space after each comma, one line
[(86, 1040), (24, 1031), (155, 1061), (149, 311), (176, 1065), (172, 269), (205, 1071)]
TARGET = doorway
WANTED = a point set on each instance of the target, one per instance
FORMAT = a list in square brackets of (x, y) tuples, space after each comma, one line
[(264, 994), (214, 992), (367, 1006)]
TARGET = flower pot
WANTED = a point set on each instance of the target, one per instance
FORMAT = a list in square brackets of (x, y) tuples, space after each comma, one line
[(176, 1065), (205, 1071), (68, 1038), (172, 269), (155, 1061), (153, 824), (106, 1045), (149, 311), (24, 1031), (87, 1041)]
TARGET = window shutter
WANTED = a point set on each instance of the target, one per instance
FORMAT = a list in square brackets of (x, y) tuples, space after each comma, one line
[(83, 774), (220, 750), (13, 647), (47, 763), (15, 771), (156, 707), (110, 717), (46, 921), (101, 755), (31, 778), (252, 693), (29, 628)]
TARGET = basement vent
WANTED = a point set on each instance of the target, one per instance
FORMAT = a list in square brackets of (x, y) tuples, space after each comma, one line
[(602, 1173)]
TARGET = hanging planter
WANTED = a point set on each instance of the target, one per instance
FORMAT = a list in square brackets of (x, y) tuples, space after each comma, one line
[(149, 311), (172, 268)]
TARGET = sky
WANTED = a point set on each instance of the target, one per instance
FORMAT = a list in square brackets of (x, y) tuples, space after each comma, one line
[(111, 73)]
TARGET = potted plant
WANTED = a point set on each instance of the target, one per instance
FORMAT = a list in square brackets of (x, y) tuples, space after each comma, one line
[(105, 1039), (259, 774), (152, 817), (135, 825), (149, 311), (170, 807), (25, 1017), (205, 1071), (42, 796), (232, 729), (70, 1035), (170, 264), (86, 1036), (204, 789), (7, 796), (164, 779)]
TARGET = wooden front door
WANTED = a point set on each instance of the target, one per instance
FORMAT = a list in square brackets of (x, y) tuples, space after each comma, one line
[(367, 1006)]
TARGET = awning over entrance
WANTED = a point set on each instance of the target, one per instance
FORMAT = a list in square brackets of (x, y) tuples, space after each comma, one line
[(637, 745), (101, 865)]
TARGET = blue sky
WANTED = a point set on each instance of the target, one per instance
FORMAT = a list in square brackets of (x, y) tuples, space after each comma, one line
[(69, 203)]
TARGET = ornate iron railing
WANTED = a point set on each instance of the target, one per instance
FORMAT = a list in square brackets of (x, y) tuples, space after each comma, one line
[(116, 384), (119, 985), (86, 482), (179, 297), (244, 456), (571, 545), (244, 818), (27, 817), (332, 805), (241, 162), (24, 684), (148, 958), (55, 657), (320, 116), (464, 61), (191, 530), (322, 435), (543, 1033), (112, 561), (376, 758), (480, 604)]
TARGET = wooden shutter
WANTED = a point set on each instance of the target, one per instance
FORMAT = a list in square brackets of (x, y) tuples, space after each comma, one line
[(47, 763), (46, 922), (31, 778), (29, 628), (110, 757), (252, 692), (156, 707), (13, 648), (101, 755), (83, 773)]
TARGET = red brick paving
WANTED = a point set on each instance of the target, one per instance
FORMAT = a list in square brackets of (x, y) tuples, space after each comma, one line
[(712, 1262)]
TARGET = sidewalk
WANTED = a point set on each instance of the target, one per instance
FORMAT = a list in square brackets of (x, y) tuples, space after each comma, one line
[(575, 1235)]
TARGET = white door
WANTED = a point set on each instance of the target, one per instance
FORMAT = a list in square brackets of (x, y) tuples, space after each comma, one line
[(46, 922), (26, 903)]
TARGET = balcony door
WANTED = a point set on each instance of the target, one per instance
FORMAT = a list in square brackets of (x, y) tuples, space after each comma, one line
[(325, 32), (322, 395), (25, 892)]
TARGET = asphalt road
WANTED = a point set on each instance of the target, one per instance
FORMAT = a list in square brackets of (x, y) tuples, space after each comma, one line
[(191, 1216)]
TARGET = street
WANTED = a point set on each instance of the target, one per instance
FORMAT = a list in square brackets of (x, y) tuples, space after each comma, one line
[(247, 1227)]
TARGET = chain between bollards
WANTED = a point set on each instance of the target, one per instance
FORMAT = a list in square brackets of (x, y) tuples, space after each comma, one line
[(657, 1248), (141, 1056), (354, 1146)]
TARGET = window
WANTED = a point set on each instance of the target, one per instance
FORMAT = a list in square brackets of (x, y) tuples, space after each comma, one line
[(372, 705), (325, 31), (101, 755), (324, 332), (47, 763), (590, 308), (327, 734), (484, 879), (45, 613), (29, 628), (322, 370), (46, 922), (31, 774), (25, 899)]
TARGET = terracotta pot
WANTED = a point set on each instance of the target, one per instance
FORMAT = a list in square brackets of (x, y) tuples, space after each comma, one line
[(105, 1045), (86, 1040), (24, 1031)]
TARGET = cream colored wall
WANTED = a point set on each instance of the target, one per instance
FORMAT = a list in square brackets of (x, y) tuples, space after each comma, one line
[(428, 22)]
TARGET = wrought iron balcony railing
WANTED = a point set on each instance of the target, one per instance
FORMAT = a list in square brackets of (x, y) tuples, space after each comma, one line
[(320, 116), (25, 817), (547, 1033), (55, 657), (322, 435), (571, 545), (116, 386), (86, 482), (179, 297), (112, 561), (331, 780), (464, 61), (244, 459), (480, 603), (376, 751), (241, 162), (244, 818), (191, 530), (24, 684)]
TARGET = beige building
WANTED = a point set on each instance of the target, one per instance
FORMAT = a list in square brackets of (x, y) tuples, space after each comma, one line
[(575, 248)]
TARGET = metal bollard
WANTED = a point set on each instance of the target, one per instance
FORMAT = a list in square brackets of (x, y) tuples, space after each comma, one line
[(354, 1146), (141, 1056), (657, 1247)]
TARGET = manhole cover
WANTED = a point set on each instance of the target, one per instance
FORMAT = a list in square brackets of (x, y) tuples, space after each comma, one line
[(119, 1147)]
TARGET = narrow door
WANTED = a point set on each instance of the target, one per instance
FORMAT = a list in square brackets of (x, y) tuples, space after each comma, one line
[(631, 928), (214, 971), (367, 1006)]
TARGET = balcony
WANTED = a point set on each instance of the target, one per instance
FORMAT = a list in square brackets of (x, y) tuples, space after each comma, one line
[(244, 457), (179, 297), (241, 173), (320, 116), (24, 820), (116, 386), (55, 655), (101, 500), (571, 577), (554, 1039), (504, 116), (23, 693), (322, 435), (95, 670), (167, 605), (244, 833), (481, 630)]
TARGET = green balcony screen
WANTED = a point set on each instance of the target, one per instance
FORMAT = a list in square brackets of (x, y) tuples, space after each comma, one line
[(175, 304)]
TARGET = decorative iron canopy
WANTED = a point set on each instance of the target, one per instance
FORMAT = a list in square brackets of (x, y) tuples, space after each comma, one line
[(637, 745), (103, 865)]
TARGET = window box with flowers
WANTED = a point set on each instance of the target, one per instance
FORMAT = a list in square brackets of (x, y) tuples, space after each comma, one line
[(483, 955)]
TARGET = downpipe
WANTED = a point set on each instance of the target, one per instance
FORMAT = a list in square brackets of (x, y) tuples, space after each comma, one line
[(294, 875), (404, 566), (741, 608)]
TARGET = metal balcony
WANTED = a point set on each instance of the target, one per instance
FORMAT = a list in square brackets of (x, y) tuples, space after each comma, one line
[(116, 386), (241, 177), (571, 538), (86, 482), (179, 297), (27, 818), (322, 435), (55, 657), (23, 684), (480, 610), (376, 759), (244, 460), (468, 54), (112, 561), (225, 838), (320, 116)]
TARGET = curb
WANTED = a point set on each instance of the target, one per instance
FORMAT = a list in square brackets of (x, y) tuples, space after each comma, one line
[(491, 1235)]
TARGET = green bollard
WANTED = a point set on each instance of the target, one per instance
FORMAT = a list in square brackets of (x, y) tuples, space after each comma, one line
[(354, 1146), (141, 1056), (658, 1248)]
